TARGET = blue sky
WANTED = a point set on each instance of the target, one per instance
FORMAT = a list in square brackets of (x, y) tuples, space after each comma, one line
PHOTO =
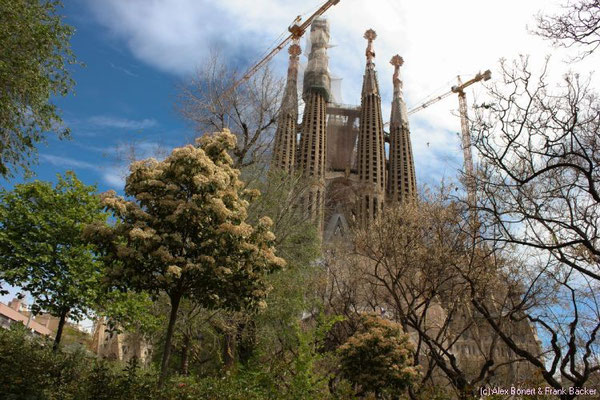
[(136, 52), (117, 100)]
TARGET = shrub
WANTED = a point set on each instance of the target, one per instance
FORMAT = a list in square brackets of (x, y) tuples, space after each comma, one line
[(29, 369), (378, 357)]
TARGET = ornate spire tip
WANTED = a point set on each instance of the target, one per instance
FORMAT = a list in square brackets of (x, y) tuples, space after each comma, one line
[(370, 35), (397, 61), (295, 50)]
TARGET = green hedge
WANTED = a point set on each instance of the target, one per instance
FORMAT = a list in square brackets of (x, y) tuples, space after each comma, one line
[(30, 370)]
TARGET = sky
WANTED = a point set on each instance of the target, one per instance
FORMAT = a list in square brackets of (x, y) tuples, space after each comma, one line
[(137, 52)]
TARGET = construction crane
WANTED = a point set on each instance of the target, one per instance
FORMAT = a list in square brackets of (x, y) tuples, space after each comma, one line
[(464, 124), (296, 30)]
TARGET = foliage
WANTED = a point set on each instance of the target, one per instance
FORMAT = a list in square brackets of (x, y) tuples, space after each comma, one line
[(73, 338), (42, 247), (311, 365), (186, 232), (299, 370), (33, 68), (239, 387), (108, 382), (205, 341), (29, 369), (412, 265), (295, 289), (130, 312), (378, 357), (196, 342)]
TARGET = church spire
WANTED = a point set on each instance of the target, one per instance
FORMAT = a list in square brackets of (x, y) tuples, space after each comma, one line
[(402, 184), (371, 151), (313, 139), (284, 150)]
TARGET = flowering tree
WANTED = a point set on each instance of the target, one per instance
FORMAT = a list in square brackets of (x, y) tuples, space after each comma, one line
[(378, 357), (184, 233)]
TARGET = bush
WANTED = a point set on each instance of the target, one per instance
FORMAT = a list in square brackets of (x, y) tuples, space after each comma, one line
[(378, 357), (29, 369), (227, 388), (106, 381)]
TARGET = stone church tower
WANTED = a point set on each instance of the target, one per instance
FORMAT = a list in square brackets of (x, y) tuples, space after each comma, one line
[(402, 183), (284, 150), (313, 137), (371, 145)]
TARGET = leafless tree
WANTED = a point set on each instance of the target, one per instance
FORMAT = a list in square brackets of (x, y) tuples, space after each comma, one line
[(539, 197), (579, 25), (540, 169), (211, 103), (412, 265)]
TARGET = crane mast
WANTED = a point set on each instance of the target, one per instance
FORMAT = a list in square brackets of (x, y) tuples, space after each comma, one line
[(297, 29), (466, 144), (464, 125)]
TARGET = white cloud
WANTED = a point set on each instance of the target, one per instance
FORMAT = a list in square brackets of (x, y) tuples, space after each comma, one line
[(438, 39), (122, 123), (113, 176), (66, 162), (123, 69)]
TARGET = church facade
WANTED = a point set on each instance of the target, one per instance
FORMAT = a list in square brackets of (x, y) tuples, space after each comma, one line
[(341, 148)]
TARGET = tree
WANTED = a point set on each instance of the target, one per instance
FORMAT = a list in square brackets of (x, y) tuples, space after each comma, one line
[(33, 68), (378, 357), (274, 334), (579, 26), (540, 183), (210, 103), (267, 339), (43, 250), (185, 232), (540, 162), (412, 265)]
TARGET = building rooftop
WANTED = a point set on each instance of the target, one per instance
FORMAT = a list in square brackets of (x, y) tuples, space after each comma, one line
[(9, 315)]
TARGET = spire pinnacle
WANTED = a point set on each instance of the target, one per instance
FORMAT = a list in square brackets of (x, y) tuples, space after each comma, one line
[(294, 52), (284, 150), (370, 35), (295, 49), (397, 62), (370, 85)]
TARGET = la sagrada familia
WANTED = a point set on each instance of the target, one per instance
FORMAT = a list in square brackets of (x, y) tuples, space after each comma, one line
[(341, 153), (341, 150)]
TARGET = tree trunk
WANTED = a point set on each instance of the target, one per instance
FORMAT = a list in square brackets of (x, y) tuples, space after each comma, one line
[(59, 330), (185, 355), (246, 341), (175, 299), (229, 342)]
